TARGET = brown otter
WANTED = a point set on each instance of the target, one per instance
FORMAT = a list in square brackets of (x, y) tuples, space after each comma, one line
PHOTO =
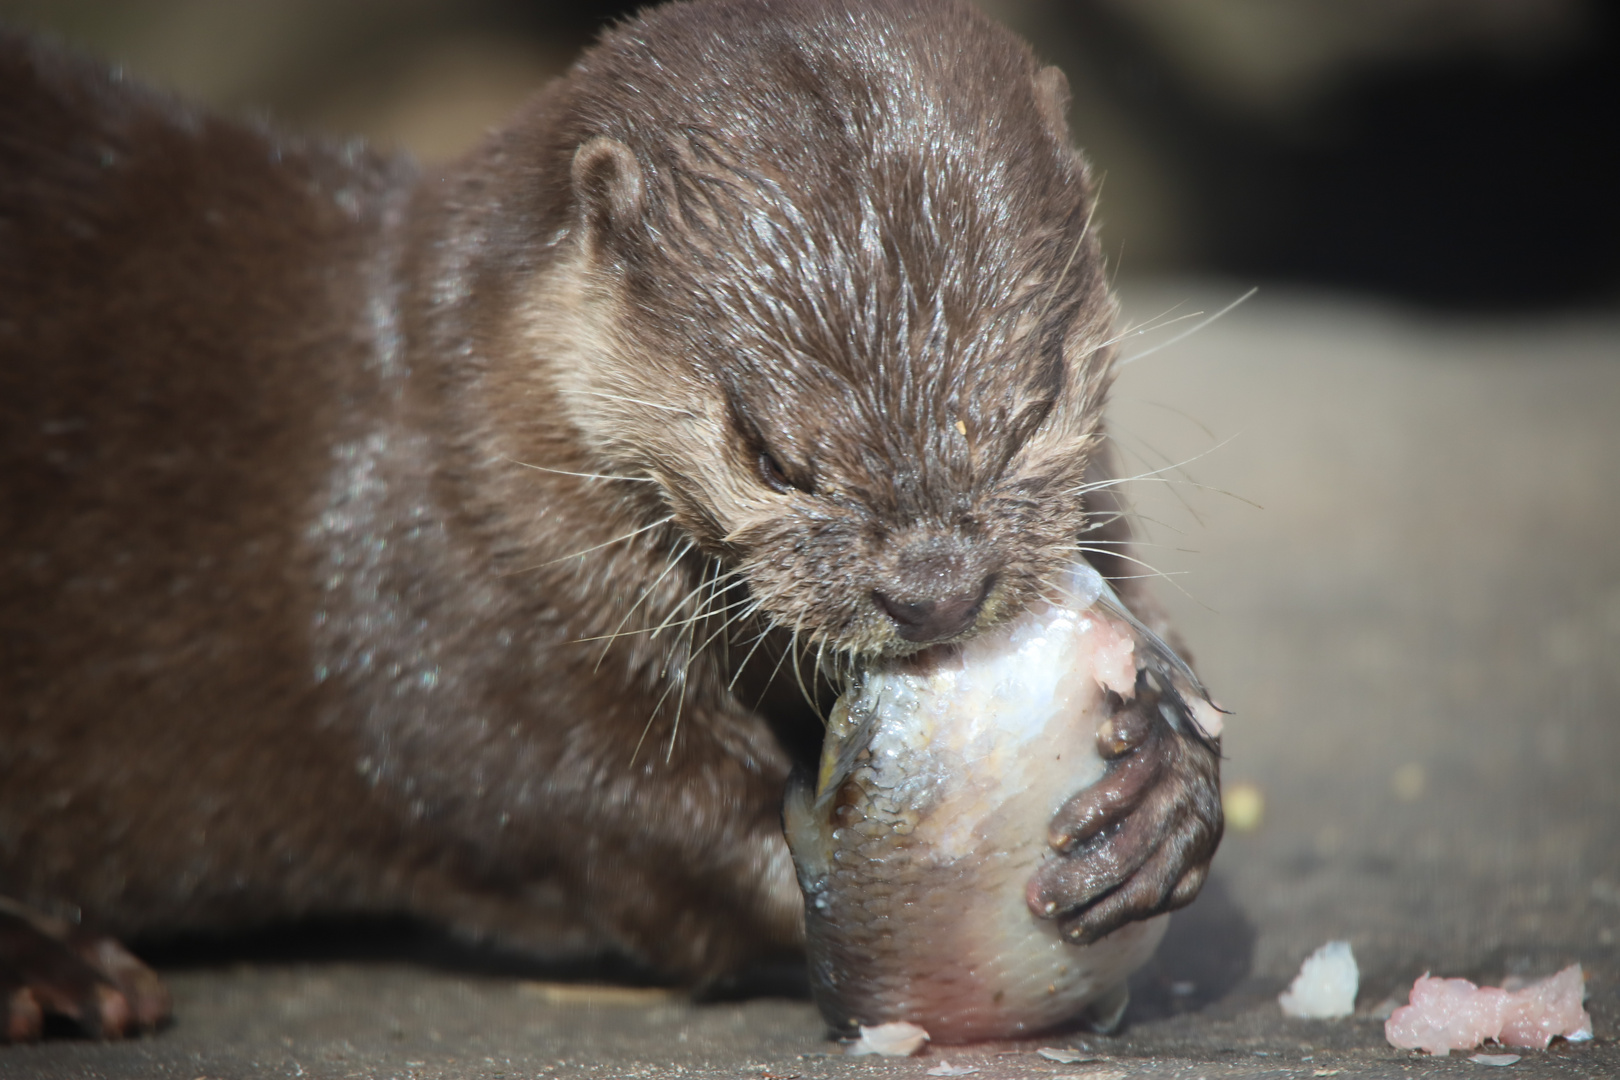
[(458, 542)]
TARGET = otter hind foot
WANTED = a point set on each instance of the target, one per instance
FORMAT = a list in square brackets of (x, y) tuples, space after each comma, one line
[(52, 969)]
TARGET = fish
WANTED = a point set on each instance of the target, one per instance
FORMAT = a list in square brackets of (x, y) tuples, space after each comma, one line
[(939, 775)]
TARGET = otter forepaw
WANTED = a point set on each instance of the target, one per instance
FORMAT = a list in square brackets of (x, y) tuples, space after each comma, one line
[(49, 968), (1138, 842)]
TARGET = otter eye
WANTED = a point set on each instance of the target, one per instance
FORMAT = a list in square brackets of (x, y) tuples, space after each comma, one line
[(770, 471)]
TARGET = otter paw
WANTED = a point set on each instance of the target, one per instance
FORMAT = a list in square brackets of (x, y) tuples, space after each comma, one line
[(50, 968), (1138, 842)]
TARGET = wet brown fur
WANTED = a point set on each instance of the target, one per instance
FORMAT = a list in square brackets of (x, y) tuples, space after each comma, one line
[(303, 611)]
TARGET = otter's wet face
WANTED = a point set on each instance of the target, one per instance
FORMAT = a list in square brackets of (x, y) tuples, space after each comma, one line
[(879, 328), (880, 527)]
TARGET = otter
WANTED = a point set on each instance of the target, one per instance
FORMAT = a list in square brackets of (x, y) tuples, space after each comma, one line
[(476, 542)]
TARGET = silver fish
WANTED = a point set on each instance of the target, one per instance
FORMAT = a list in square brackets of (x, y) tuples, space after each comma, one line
[(939, 776)]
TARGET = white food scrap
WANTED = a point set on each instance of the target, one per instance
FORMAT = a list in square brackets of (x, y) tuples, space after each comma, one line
[(1113, 654), (1326, 985), (1454, 1014), (945, 1068), (898, 1039)]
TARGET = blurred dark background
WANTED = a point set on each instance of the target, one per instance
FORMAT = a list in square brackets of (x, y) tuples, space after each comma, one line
[(1454, 153)]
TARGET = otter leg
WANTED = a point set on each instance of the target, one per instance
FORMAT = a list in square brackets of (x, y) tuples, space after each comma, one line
[(51, 968), (1138, 842)]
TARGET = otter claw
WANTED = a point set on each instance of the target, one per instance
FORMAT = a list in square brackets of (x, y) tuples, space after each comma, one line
[(51, 968), (1126, 730)]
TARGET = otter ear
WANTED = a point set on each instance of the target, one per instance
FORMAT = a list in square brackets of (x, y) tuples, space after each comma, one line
[(607, 188), (1052, 98)]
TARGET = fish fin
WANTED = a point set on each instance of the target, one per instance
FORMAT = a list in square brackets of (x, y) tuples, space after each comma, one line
[(1106, 1013)]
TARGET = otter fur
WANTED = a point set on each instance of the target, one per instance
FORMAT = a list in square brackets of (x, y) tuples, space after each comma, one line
[(470, 542)]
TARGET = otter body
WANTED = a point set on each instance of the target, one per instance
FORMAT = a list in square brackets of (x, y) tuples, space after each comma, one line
[(454, 541)]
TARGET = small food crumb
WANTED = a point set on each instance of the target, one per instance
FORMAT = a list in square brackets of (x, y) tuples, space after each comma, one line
[(1065, 1056), (1113, 656), (1494, 1059), (1454, 1014), (898, 1039), (1244, 806), (945, 1068), (555, 993), (1325, 987)]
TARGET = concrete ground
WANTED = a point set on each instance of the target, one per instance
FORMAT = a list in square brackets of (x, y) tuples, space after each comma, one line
[(1418, 629)]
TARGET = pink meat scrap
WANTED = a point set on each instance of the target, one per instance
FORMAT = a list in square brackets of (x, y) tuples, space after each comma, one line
[(1454, 1014)]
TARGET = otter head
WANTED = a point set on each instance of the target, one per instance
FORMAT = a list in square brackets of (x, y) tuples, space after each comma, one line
[(843, 305)]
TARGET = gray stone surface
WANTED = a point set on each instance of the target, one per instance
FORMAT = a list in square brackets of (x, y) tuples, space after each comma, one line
[(1418, 630)]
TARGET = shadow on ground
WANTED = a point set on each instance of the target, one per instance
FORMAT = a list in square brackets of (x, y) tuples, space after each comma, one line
[(1206, 954)]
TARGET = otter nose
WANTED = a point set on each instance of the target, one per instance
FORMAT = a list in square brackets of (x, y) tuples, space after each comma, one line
[(934, 620)]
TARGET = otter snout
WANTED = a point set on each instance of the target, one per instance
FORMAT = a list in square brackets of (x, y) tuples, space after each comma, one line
[(934, 619), (934, 583)]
